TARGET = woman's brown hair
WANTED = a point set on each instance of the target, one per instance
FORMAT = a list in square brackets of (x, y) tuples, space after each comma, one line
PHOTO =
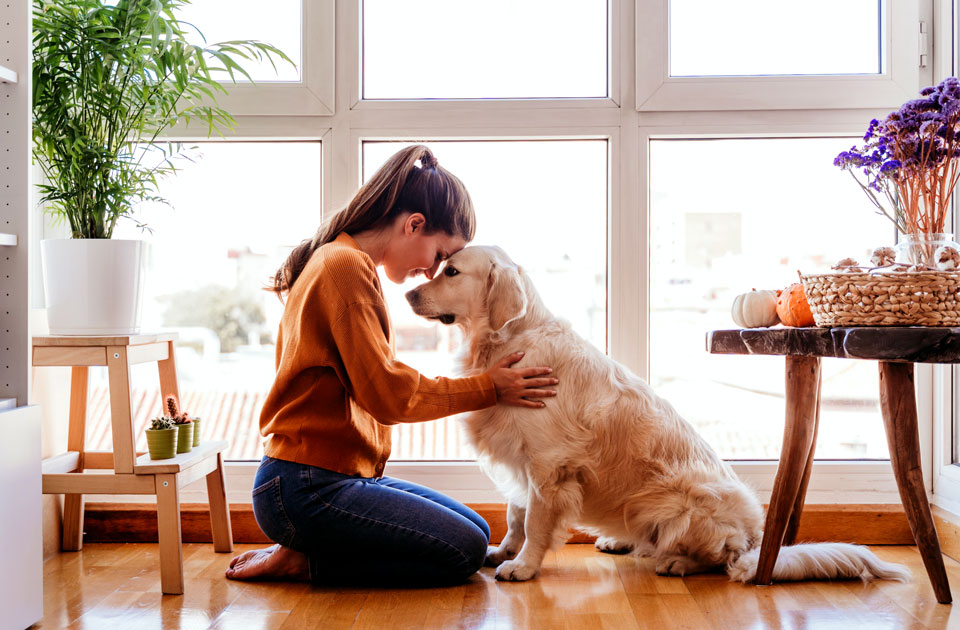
[(399, 186)]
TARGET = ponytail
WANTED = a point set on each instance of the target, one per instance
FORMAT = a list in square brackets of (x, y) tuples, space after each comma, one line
[(398, 186)]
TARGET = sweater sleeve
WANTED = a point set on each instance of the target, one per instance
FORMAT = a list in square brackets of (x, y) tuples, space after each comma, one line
[(390, 390)]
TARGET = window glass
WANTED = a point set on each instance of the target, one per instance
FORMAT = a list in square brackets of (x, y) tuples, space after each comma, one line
[(759, 37), (735, 214), (237, 211), (227, 20), (460, 49), (545, 204)]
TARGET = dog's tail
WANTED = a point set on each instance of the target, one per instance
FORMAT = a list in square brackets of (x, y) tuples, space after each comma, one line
[(819, 561)]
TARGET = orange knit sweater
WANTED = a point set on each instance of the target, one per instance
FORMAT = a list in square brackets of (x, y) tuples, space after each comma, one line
[(339, 387)]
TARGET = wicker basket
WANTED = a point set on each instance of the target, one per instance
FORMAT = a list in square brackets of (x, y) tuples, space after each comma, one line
[(902, 298)]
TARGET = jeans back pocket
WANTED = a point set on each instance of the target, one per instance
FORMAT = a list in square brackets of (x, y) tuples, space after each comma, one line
[(271, 515)]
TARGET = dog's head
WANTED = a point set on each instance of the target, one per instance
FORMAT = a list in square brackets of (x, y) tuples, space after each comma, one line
[(477, 286)]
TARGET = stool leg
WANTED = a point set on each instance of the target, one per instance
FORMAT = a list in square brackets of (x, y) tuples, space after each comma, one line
[(219, 510), (168, 529), (76, 434), (802, 382), (899, 406), (790, 537), (121, 410)]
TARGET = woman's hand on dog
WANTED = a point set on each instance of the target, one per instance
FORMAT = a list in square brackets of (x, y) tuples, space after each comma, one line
[(521, 386)]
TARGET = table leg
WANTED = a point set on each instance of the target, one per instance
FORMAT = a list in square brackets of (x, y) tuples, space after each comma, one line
[(799, 431), (790, 537), (219, 510), (899, 406)]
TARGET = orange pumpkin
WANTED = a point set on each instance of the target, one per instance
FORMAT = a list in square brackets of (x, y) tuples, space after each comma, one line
[(793, 308)]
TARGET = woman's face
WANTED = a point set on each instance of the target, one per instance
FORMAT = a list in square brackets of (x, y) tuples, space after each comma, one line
[(413, 251)]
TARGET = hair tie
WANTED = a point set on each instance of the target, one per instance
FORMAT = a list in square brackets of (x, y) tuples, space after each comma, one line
[(428, 161)]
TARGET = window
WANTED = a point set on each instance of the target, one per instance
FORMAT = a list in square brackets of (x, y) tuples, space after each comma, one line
[(737, 230), (228, 20), (520, 208), (657, 193), (697, 55), (303, 30), (438, 49), (237, 211), (757, 37)]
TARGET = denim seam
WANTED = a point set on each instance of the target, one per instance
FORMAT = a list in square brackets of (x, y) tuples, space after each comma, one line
[(464, 558), (291, 529)]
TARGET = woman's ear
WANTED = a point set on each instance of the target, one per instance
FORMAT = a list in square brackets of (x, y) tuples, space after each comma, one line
[(506, 299), (414, 223)]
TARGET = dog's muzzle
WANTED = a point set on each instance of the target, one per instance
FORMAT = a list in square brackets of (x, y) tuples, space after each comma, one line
[(413, 298)]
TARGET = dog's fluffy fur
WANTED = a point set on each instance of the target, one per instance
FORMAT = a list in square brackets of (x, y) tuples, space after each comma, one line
[(606, 455)]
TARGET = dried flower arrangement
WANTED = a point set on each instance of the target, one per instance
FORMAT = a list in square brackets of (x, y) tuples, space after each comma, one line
[(908, 164)]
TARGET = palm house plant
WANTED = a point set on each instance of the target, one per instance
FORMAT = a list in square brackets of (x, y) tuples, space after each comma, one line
[(108, 80)]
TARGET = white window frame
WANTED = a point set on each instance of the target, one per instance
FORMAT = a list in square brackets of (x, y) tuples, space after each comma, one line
[(628, 131), (658, 91)]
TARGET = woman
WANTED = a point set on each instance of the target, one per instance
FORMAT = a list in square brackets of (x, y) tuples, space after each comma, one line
[(319, 493)]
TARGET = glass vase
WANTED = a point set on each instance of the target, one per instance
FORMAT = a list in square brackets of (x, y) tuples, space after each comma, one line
[(919, 249)]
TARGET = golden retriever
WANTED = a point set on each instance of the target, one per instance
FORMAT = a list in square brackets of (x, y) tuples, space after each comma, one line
[(607, 455)]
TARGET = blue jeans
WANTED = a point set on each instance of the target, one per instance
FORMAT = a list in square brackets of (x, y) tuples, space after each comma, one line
[(361, 531)]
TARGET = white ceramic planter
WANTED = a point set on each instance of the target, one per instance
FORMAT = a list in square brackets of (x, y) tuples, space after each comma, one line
[(93, 286)]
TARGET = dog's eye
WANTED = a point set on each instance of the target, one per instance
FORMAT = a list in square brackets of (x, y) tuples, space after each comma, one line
[(450, 271)]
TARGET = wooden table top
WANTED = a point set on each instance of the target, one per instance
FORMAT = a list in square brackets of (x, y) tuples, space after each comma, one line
[(907, 344)]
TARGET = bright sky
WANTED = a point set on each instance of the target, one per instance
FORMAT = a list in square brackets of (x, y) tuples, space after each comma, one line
[(556, 48), (761, 37), (489, 49)]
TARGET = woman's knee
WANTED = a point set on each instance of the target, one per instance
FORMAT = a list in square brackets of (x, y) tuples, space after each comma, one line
[(472, 552)]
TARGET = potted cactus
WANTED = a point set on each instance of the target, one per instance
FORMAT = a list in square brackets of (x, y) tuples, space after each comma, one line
[(162, 438), (183, 423)]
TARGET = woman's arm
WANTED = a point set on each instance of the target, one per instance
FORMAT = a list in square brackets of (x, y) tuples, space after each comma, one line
[(395, 392)]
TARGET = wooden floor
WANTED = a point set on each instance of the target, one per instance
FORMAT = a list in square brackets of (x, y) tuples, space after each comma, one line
[(118, 586)]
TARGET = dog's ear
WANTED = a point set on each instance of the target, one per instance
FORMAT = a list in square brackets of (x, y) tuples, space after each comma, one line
[(506, 299)]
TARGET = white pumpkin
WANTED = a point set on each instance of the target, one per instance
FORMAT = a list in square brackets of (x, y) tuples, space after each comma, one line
[(755, 309)]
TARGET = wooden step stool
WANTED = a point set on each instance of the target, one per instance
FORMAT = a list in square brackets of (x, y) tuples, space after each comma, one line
[(125, 472)]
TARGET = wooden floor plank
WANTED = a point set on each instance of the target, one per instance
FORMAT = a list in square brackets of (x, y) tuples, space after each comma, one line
[(113, 585)]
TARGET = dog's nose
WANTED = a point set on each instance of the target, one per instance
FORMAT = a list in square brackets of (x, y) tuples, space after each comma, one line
[(413, 296)]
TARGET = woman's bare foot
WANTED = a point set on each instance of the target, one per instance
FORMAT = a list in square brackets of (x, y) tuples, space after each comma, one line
[(273, 563)]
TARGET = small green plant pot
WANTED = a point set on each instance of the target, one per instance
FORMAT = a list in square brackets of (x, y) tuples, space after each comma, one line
[(185, 438), (162, 443), (196, 431)]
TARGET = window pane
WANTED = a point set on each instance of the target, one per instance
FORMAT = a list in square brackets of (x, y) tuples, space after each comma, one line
[(277, 22), (556, 232), (418, 49), (237, 212), (759, 37), (737, 229)]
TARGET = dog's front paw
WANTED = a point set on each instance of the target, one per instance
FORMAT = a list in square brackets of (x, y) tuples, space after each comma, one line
[(513, 571), (612, 545), (497, 556), (678, 566)]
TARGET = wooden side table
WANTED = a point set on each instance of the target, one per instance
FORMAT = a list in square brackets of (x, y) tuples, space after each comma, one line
[(896, 349), (128, 474)]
